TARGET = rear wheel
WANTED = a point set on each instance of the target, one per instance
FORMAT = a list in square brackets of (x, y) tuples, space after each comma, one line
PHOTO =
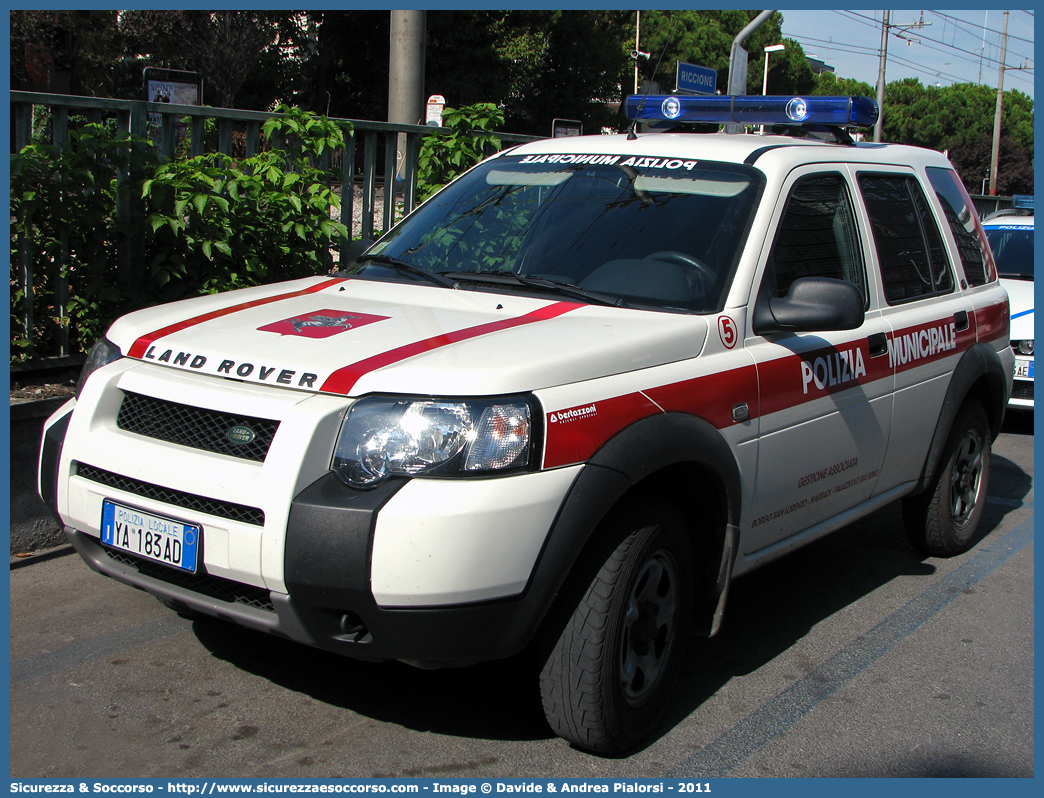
[(943, 520), (610, 672)]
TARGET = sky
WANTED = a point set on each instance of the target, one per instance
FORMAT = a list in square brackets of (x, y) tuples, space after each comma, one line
[(961, 46)]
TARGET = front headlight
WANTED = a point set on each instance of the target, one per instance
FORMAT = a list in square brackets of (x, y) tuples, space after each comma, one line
[(102, 354), (1023, 347), (383, 437)]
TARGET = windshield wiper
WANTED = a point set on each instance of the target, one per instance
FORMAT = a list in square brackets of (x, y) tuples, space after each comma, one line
[(408, 268), (542, 283)]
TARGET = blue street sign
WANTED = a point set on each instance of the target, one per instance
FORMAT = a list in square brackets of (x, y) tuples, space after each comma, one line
[(696, 79)]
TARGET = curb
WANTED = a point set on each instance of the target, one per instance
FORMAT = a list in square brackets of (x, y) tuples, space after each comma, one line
[(37, 408), (32, 526), (29, 558)]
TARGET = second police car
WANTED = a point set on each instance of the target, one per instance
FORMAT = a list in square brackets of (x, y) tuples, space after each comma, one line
[(564, 404), (1010, 234)]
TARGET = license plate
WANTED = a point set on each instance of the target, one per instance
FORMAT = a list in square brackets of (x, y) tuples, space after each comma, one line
[(1024, 369), (154, 537)]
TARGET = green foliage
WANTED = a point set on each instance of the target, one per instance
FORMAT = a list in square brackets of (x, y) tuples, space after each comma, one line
[(829, 85), (64, 201), (219, 223), (211, 223), (705, 38), (958, 119), (469, 139)]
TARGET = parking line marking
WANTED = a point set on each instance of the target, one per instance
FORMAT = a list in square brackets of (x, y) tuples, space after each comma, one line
[(730, 750)]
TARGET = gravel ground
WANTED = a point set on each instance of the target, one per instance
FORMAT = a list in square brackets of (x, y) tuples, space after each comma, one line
[(29, 389)]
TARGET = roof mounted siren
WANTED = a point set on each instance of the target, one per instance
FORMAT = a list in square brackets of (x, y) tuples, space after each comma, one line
[(835, 114)]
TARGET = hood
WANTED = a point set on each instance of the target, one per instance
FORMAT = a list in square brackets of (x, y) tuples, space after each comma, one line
[(1020, 297), (353, 337)]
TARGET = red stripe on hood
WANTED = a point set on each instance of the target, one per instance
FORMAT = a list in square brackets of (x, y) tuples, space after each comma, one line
[(343, 380), (141, 346)]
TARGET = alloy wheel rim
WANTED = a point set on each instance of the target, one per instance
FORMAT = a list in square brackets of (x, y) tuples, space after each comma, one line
[(966, 477), (648, 627)]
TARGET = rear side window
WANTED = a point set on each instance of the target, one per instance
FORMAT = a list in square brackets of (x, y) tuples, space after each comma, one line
[(818, 236), (909, 245), (961, 218)]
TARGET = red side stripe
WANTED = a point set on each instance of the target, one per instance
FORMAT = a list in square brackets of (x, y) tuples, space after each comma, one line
[(141, 346), (343, 380), (992, 322)]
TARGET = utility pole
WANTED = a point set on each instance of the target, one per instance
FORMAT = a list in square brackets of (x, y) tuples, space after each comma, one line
[(995, 157), (886, 28), (637, 45), (738, 62), (406, 74), (881, 78)]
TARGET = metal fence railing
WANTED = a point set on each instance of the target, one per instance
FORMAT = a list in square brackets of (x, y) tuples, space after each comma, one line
[(367, 167)]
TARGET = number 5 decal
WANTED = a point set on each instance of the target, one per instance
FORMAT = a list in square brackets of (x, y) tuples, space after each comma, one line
[(727, 331)]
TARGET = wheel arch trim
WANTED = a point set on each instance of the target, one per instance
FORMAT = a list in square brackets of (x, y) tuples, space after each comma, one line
[(625, 462), (980, 372)]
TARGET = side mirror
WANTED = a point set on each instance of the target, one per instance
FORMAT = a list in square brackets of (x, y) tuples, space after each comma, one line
[(813, 304)]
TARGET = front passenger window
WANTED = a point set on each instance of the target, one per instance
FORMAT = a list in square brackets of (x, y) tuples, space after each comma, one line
[(817, 236)]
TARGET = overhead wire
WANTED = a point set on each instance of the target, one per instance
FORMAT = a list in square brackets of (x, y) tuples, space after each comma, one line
[(957, 52)]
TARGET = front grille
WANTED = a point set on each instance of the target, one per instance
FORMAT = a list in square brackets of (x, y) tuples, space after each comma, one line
[(178, 498), (196, 427), (215, 587), (1022, 390)]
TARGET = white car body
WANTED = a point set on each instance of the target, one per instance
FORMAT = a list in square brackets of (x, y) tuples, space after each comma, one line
[(771, 439), (1012, 239)]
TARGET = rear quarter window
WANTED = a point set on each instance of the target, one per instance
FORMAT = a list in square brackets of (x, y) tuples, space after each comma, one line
[(960, 215)]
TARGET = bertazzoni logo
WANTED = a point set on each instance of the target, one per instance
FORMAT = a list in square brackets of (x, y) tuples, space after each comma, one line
[(563, 416)]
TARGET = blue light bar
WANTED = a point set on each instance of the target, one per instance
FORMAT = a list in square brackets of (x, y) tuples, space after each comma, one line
[(754, 110)]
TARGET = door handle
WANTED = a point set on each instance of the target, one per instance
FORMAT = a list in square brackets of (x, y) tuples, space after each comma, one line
[(961, 318), (878, 344)]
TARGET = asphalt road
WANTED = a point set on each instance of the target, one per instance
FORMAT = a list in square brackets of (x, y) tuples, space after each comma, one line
[(851, 657)]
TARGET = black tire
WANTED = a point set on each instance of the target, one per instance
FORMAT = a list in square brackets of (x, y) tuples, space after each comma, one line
[(611, 669), (942, 521)]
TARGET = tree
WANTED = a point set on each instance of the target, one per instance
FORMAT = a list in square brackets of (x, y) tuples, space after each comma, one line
[(537, 65), (959, 119), (65, 52), (1014, 168), (347, 76), (705, 38), (829, 85), (247, 59)]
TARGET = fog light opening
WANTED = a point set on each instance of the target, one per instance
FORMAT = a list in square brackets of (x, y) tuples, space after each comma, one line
[(353, 629)]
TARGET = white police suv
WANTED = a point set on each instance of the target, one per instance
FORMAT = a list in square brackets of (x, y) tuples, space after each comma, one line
[(565, 403), (1010, 234)]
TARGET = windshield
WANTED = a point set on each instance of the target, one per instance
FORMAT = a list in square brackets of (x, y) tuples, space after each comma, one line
[(1013, 250), (652, 232)]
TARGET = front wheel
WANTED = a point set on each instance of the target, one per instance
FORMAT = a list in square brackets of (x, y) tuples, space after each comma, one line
[(942, 521), (610, 672)]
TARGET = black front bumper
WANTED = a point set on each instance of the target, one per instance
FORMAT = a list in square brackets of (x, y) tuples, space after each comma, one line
[(329, 541), (329, 604)]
